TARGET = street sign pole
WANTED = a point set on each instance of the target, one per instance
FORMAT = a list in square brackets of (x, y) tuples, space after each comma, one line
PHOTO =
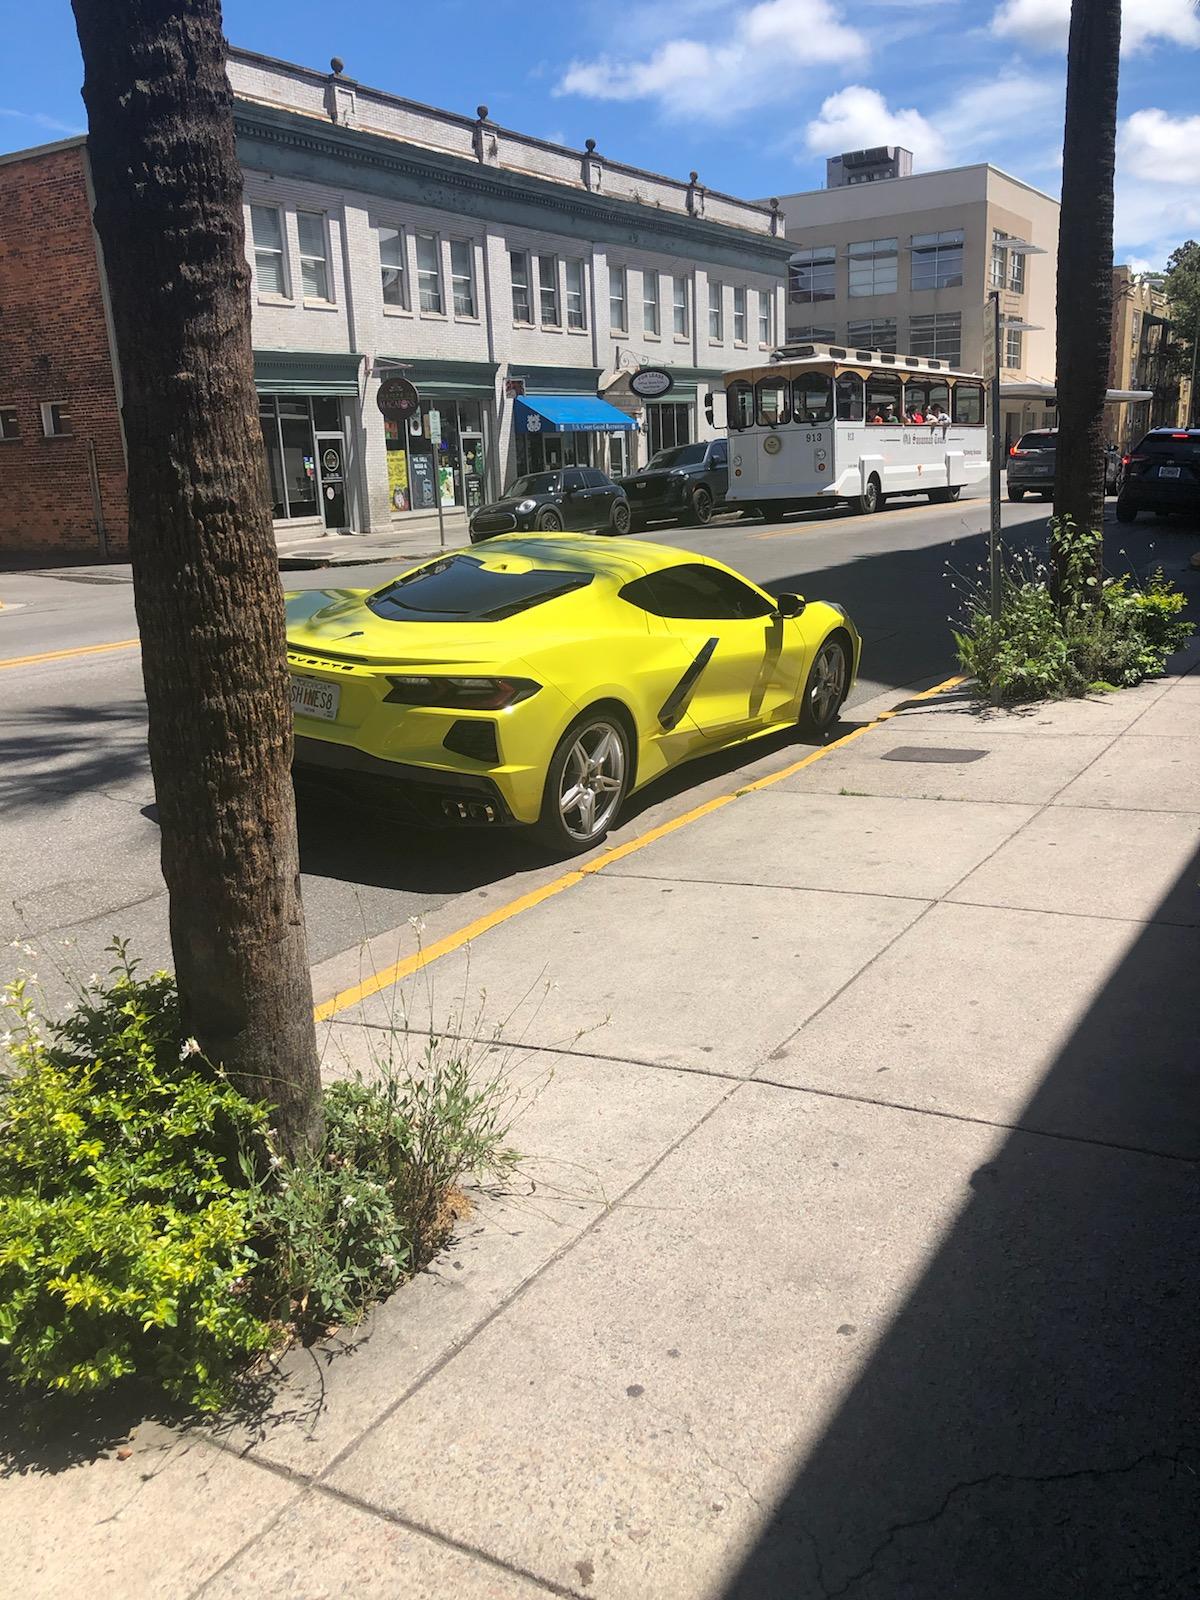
[(994, 535)]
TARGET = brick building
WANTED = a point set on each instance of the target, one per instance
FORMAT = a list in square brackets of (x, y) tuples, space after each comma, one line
[(515, 282), (62, 457)]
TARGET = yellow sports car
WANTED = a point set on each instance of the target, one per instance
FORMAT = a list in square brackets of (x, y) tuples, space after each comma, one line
[(539, 678)]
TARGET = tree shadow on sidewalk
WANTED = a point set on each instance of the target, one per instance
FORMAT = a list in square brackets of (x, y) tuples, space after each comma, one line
[(1027, 1425)]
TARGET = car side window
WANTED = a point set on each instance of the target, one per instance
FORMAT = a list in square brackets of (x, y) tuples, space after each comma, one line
[(594, 479), (718, 456), (573, 478), (694, 593)]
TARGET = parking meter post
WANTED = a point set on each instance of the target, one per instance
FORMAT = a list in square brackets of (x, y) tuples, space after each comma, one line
[(994, 533)]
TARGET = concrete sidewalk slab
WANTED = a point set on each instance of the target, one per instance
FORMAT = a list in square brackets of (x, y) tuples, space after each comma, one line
[(158, 1523), (324, 1549), (911, 1303), (1173, 715), (859, 843), (637, 969), (1018, 771), (1141, 773), (959, 712), (967, 1012), (1130, 864)]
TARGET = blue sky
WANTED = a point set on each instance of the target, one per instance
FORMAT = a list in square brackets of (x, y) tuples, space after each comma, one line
[(752, 95)]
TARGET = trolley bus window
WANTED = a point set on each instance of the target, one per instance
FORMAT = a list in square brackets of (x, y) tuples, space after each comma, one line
[(849, 397), (884, 396), (772, 401), (924, 396), (968, 403), (812, 398), (739, 404)]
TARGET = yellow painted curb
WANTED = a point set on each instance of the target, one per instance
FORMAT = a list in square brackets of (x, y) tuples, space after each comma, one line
[(454, 941), (63, 655)]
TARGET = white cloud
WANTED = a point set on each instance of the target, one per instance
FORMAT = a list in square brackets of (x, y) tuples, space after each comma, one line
[(857, 117), (41, 120), (754, 61), (1045, 24), (1157, 194)]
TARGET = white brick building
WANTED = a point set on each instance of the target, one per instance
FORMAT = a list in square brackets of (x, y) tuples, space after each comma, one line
[(496, 272)]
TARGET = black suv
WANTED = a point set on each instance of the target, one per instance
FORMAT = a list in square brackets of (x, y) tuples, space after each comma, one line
[(582, 498), (1031, 464), (1162, 474), (684, 484)]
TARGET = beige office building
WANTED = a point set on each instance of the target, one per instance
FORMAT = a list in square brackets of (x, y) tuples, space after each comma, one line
[(1144, 335), (906, 263)]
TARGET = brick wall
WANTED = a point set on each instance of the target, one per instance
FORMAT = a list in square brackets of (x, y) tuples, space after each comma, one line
[(54, 347)]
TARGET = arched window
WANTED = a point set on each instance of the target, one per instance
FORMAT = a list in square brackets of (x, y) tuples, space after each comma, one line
[(849, 388), (812, 398), (968, 403), (772, 401), (739, 401)]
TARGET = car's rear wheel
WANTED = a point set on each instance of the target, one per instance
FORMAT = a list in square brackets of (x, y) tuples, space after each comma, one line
[(870, 499), (1016, 494), (1125, 512), (549, 520), (943, 496), (827, 687), (586, 783), (702, 507), (621, 520)]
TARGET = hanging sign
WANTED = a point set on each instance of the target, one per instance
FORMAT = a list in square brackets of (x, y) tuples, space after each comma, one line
[(398, 398), (651, 383)]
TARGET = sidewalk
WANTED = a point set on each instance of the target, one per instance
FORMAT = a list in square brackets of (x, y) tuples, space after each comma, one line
[(413, 539), (856, 1249)]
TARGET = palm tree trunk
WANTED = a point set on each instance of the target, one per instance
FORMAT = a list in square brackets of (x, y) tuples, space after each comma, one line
[(206, 580), (1085, 245)]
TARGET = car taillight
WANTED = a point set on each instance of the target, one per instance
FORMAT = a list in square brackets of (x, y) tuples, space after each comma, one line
[(1125, 460), (1179, 436), (1013, 451), (469, 694)]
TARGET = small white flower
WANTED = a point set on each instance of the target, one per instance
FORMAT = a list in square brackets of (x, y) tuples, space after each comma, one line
[(388, 1263), (188, 1048), (6, 1037), (94, 981), (276, 1161), (417, 924), (348, 1201)]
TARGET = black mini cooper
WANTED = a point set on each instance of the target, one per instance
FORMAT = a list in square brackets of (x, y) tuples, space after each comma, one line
[(579, 498)]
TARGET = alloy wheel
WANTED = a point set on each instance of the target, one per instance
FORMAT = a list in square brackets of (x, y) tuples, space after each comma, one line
[(827, 686), (702, 507), (592, 782)]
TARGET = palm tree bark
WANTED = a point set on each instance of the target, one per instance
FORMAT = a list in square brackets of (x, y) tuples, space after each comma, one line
[(1085, 247), (205, 568)]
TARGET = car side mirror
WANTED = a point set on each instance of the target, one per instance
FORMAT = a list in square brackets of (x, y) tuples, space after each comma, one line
[(708, 408), (789, 605)]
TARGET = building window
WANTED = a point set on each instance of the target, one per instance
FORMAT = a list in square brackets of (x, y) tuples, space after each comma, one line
[(668, 423), (462, 277), (873, 267), (810, 333), (10, 424), (56, 419), (522, 302), (651, 322), (429, 274), (270, 265), (679, 299), (716, 312), (812, 275), (314, 255), (548, 291), (1016, 272), (937, 259), (576, 295), (877, 333), (287, 429), (1013, 342), (618, 314), (766, 321), (739, 316), (939, 335), (998, 271), (391, 266)]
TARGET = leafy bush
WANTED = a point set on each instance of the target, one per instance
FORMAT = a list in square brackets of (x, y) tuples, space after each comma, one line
[(1096, 633), (142, 1232), (125, 1247)]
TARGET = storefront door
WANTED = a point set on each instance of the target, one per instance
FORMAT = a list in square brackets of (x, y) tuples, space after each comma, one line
[(474, 468), (331, 468)]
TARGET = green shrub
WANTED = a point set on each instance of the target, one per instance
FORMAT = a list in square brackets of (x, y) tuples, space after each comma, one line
[(125, 1245), (1095, 634)]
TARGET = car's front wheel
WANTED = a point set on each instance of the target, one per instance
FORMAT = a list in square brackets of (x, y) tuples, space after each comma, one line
[(1016, 494), (827, 687), (622, 519), (549, 520), (702, 507), (586, 783), (1125, 512)]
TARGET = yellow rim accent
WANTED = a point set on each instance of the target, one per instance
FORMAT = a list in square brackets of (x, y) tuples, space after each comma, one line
[(400, 970), (64, 655)]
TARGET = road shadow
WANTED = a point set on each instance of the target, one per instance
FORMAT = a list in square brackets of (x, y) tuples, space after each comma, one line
[(1027, 1424), (55, 752)]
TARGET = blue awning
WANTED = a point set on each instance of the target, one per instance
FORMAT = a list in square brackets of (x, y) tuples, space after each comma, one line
[(568, 413)]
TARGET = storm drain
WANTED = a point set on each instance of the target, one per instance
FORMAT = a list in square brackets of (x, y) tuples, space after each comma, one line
[(935, 754)]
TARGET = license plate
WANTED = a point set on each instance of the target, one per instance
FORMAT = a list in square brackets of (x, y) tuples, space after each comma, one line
[(312, 698), (1168, 472), (640, 485)]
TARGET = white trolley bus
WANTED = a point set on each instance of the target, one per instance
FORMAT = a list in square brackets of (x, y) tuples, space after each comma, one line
[(821, 425)]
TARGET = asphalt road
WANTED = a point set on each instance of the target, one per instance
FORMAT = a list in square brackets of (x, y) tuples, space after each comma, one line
[(80, 858)]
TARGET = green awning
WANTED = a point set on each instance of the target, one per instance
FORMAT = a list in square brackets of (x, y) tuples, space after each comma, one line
[(445, 377), (557, 380), (312, 372)]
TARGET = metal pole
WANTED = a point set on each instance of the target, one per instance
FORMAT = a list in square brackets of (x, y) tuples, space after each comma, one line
[(1192, 413), (994, 534)]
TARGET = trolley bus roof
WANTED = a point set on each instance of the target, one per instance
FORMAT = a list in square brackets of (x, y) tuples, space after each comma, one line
[(816, 355)]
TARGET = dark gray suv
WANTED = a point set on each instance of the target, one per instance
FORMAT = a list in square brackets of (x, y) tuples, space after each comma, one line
[(685, 484), (1031, 464)]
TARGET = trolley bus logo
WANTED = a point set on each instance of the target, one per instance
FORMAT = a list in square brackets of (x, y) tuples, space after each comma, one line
[(651, 383)]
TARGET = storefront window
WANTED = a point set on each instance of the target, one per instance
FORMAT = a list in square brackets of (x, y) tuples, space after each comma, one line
[(667, 423), (287, 426), (442, 453)]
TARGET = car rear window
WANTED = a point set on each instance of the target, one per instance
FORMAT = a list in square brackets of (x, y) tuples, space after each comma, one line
[(1183, 448), (1037, 441), (680, 455), (462, 589)]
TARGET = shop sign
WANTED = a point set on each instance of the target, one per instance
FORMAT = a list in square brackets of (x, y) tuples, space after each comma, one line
[(398, 398), (651, 383), (514, 387)]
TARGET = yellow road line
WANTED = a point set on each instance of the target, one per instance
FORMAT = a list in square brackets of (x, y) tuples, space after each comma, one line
[(63, 655), (454, 941)]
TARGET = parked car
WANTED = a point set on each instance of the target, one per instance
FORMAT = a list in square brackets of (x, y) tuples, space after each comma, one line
[(684, 484), (1162, 474), (539, 680), (580, 499), (1031, 464)]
